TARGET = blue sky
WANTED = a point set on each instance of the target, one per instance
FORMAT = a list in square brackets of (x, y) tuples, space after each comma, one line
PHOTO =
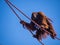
[(12, 32)]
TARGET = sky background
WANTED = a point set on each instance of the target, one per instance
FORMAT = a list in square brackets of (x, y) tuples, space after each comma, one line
[(12, 32)]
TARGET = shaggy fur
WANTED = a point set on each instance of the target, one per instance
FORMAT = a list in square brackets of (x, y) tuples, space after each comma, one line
[(44, 22)]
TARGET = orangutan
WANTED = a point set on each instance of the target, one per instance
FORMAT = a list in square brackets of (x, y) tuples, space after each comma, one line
[(43, 22)]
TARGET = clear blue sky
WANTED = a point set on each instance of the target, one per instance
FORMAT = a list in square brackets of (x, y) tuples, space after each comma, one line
[(12, 32)]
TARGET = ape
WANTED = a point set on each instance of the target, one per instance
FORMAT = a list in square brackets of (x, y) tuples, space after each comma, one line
[(44, 22)]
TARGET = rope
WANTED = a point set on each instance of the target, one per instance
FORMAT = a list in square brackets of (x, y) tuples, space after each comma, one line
[(57, 38), (13, 10), (18, 16), (8, 2), (37, 39), (23, 14)]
